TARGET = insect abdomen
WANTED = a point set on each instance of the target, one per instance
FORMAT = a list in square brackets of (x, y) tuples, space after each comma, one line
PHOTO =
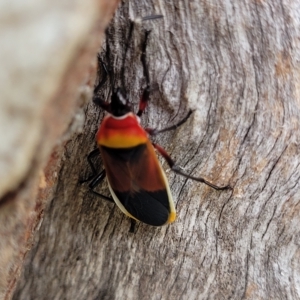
[(138, 184)]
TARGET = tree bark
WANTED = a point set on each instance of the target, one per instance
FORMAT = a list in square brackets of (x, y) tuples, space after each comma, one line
[(47, 56), (236, 64)]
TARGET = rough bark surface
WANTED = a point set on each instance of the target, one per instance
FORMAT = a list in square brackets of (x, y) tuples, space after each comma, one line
[(48, 66), (236, 64)]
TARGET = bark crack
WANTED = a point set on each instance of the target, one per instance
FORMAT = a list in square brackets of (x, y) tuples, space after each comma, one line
[(269, 222), (273, 168), (246, 275)]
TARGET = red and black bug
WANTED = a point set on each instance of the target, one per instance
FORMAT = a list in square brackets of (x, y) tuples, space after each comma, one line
[(136, 180)]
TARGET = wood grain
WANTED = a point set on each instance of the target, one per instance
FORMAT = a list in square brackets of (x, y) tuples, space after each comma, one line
[(236, 64)]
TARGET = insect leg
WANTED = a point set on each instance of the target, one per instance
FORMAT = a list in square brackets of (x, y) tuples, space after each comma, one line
[(98, 179), (178, 170), (154, 131), (145, 96), (94, 153), (132, 225)]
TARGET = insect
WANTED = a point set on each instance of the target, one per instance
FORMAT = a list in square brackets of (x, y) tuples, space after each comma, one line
[(136, 180)]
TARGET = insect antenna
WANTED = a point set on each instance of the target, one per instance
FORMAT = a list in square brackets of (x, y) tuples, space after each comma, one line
[(122, 71), (106, 73)]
